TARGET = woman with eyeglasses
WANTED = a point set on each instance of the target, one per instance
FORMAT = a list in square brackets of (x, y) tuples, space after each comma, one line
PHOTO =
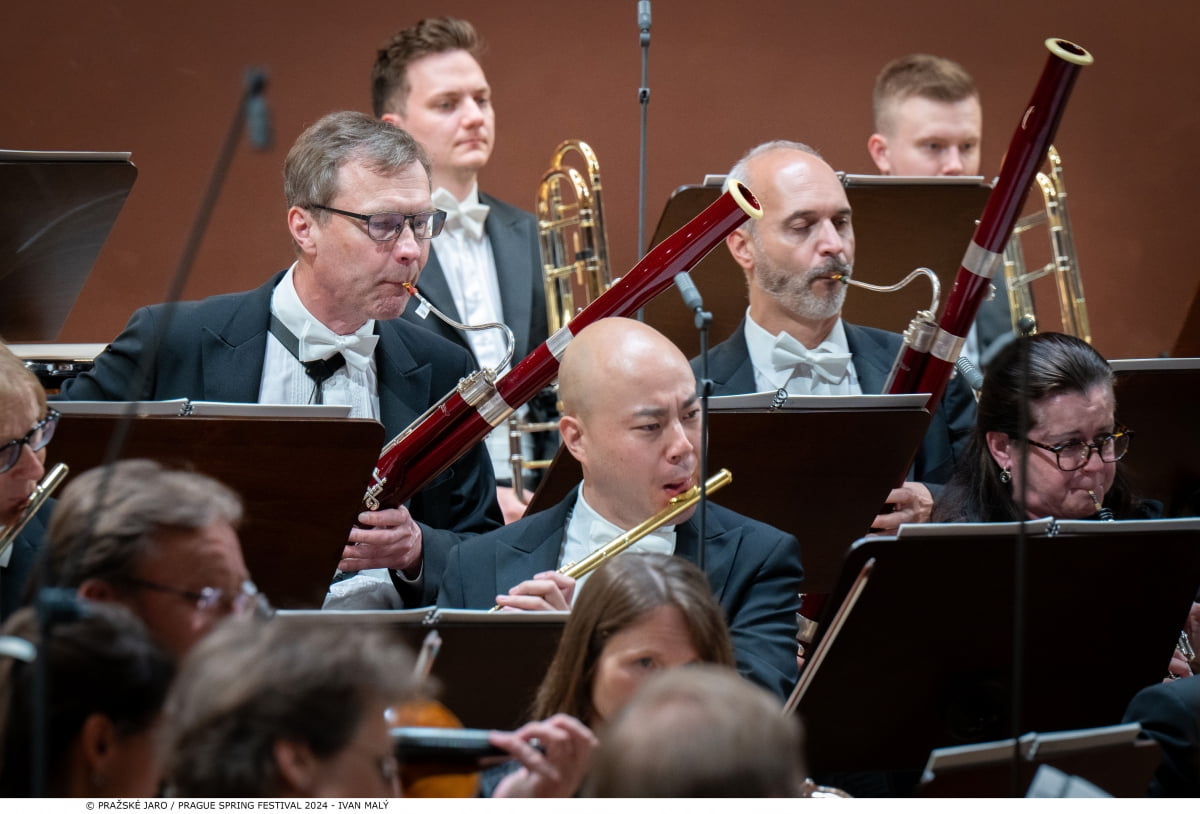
[(1061, 460), (26, 427)]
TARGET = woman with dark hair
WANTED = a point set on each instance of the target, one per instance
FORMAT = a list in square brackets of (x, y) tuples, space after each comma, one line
[(107, 684), (1046, 441), (637, 614)]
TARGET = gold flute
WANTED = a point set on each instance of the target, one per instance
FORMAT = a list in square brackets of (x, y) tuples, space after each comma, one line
[(39, 496), (675, 507)]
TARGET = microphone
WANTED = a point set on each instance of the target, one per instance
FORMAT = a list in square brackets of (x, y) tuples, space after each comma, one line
[(689, 292), (258, 116), (970, 373), (643, 18)]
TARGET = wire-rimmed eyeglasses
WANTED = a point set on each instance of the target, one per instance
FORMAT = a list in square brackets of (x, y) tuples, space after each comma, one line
[(1075, 454), (385, 226), (37, 438), (244, 600)]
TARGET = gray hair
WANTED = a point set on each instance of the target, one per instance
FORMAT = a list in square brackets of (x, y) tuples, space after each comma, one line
[(109, 516), (310, 172), (741, 170)]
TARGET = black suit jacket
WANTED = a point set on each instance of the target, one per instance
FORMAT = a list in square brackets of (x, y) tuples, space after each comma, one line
[(873, 352), (26, 550), (213, 350), (1170, 713), (754, 570)]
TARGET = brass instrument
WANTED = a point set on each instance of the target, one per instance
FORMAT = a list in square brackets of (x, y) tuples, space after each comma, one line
[(1064, 262), (574, 243), (575, 268), (675, 507), (40, 495)]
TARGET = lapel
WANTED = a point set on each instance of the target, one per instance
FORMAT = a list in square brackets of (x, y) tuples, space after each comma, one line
[(720, 548), (729, 365), (404, 384), (872, 359), (231, 355), (509, 235), (537, 548)]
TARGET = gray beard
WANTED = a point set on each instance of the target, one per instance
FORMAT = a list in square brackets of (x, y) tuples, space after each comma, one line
[(796, 293)]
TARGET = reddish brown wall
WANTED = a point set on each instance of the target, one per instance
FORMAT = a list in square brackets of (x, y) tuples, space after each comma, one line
[(160, 80)]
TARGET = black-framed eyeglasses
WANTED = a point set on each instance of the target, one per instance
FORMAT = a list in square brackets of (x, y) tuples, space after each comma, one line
[(37, 438), (212, 600), (385, 226), (1075, 454)]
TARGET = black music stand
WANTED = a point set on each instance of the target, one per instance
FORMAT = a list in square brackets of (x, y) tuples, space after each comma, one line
[(899, 224), (57, 209), (923, 658), (1157, 399), (799, 468), (1118, 759), (301, 480), (489, 666)]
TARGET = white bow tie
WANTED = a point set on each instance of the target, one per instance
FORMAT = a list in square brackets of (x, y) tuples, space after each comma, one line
[(468, 216), (356, 349), (827, 364)]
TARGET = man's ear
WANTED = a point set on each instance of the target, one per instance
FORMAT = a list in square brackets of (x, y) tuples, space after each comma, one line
[(738, 243), (877, 146), (297, 766), (394, 119), (300, 223), (1000, 445), (97, 590), (570, 429), (97, 739)]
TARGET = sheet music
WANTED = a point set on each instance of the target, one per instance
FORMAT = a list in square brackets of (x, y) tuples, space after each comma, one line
[(1032, 746), (767, 400), (501, 617), (410, 616), (187, 407), (1138, 365), (1041, 527)]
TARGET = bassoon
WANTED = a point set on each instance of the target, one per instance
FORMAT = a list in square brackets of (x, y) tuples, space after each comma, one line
[(481, 401), (929, 352)]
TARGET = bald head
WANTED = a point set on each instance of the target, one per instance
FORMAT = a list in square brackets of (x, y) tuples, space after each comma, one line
[(630, 417), (606, 351)]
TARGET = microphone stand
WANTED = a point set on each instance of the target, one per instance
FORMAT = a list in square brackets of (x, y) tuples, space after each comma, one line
[(703, 321), (53, 605), (643, 19), (1019, 568)]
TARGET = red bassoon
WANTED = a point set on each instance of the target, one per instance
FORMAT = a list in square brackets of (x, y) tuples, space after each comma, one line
[(927, 358), (480, 402)]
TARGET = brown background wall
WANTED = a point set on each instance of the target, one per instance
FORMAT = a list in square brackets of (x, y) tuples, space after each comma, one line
[(160, 80)]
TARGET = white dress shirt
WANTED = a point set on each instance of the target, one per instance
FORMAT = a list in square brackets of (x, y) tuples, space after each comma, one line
[(587, 532), (284, 380)]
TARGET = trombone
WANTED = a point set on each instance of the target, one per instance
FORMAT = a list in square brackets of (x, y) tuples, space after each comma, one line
[(575, 267), (1064, 263)]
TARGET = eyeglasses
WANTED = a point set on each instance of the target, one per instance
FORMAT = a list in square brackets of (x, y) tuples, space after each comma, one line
[(385, 226), (213, 600), (37, 438), (1075, 454)]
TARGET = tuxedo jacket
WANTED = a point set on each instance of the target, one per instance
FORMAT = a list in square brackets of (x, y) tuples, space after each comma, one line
[(1170, 713), (754, 570), (873, 353), (26, 551), (213, 350), (514, 238)]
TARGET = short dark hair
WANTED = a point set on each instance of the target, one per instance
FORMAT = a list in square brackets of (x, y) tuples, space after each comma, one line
[(109, 516), (254, 682), (699, 731), (101, 663), (619, 594), (923, 75), (389, 76)]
